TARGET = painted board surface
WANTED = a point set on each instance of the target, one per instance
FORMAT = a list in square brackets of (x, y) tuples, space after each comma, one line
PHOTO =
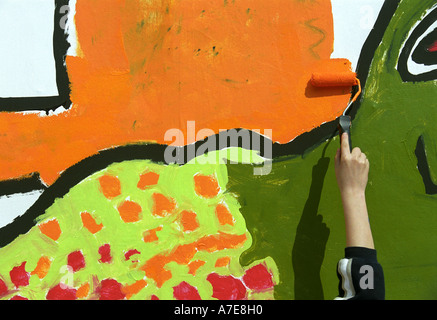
[(132, 207)]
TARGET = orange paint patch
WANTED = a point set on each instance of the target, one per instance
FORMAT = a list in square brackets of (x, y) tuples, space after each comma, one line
[(206, 186), (51, 229), (193, 266), (243, 65), (222, 262), (147, 179), (130, 290), (42, 267), (223, 215), (110, 186), (162, 206), (154, 268), (129, 211), (83, 291), (220, 241), (89, 222), (183, 254), (150, 235), (189, 221)]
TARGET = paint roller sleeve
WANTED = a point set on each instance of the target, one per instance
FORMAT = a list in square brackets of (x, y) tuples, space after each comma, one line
[(334, 79)]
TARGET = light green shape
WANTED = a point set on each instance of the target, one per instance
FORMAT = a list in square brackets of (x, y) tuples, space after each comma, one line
[(176, 182)]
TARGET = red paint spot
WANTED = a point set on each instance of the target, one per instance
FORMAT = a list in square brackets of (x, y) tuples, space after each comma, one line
[(76, 260), (111, 289), (18, 298), (130, 253), (226, 287), (3, 288), (61, 292), (185, 291), (433, 47), (153, 297), (19, 276), (105, 253), (258, 278)]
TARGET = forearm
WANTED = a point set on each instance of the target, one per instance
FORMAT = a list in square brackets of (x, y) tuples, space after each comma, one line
[(358, 232)]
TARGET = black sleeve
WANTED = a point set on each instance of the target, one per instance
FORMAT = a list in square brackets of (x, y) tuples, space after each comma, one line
[(360, 275)]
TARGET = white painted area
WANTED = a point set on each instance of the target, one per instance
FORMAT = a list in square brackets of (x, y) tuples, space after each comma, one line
[(70, 27), (16, 205), (44, 114), (413, 67), (353, 21), (27, 63)]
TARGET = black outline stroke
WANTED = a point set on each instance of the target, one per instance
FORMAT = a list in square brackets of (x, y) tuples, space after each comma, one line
[(423, 167), (402, 66), (60, 47), (155, 152)]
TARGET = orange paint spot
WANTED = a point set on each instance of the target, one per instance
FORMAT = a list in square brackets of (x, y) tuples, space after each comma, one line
[(150, 235), (154, 269), (189, 221), (129, 211), (222, 262), (193, 266), (130, 290), (183, 254), (223, 215), (83, 291), (110, 186), (42, 267), (220, 241), (148, 179), (162, 206), (206, 186), (51, 229), (89, 222)]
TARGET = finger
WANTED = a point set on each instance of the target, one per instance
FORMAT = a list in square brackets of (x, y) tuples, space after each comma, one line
[(356, 152), (345, 149), (362, 158)]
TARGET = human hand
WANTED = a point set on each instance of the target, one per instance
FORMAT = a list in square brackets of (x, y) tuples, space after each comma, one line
[(351, 169)]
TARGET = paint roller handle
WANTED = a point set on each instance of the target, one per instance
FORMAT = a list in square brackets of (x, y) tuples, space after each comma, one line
[(344, 125)]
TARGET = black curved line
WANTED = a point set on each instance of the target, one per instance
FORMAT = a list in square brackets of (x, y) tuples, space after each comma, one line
[(370, 46), (24, 185), (155, 152), (408, 47), (423, 167), (422, 55), (60, 47)]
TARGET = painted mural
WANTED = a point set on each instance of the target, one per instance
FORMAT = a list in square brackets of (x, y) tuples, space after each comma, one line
[(185, 154)]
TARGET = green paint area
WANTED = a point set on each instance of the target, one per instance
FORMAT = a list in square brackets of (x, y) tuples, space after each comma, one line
[(295, 215), (148, 247)]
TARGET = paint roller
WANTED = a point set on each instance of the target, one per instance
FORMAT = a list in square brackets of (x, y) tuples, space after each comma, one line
[(339, 79)]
